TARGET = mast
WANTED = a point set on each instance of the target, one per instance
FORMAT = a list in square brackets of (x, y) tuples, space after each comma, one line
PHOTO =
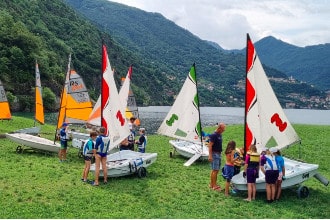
[(35, 94), (62, 96), (199, 113), (246, 105)]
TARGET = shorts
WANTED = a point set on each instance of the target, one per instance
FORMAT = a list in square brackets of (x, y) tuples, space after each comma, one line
[(228, 172), (216, 161), (64, 145), (87, 158), (251, 175), (102, 154), (271, 176)]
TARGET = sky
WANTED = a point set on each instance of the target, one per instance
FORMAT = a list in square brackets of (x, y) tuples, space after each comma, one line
[(226, 22)]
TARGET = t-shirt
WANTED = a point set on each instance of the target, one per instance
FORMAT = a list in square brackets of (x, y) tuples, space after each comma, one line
[(102, 143), (280, 162), (88, 147), (216, 139)]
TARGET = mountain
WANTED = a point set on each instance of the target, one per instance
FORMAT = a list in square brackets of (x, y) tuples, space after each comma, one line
[(160, 51), (310, 64)]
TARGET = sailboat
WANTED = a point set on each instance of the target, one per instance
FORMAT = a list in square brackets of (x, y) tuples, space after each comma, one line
[(4, 104), (39, 115), (183, 122), (112, 118), (128, 101), (26, 136), (266, 124), (76, 105)]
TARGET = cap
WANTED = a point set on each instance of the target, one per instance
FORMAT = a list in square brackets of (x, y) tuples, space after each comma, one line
[(273, 149), (64, 124), (264, 149), (142, 129)]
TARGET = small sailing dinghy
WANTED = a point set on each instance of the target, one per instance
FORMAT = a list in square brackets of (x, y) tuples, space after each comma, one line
[(26, 137), (124, 162), (76, 105), (39, 107), (266, 123), (4, 104), (183, 122)]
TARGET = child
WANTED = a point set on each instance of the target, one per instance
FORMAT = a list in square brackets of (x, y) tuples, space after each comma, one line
[(64, 137), (142, 142), (88, 154), (228, 171), (251, 171), (239, 162)]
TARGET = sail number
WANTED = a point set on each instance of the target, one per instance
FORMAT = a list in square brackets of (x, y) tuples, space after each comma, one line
[(172, 119), (278, 122)]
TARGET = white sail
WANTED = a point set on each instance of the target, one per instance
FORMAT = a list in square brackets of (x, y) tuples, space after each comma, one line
[(113, 114), (265, 118), (182, 121)]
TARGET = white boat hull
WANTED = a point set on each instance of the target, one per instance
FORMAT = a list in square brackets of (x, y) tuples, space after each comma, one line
[(34, 142), (125, 163), (79, 135), (32, 130), (295, 172), (188, 149)]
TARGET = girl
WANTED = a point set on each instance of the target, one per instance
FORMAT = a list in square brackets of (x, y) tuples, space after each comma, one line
[(228, 171), (251, 171)]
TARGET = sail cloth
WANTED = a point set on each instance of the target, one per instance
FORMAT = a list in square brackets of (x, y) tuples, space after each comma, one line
[(76, 105), (112, 110), (4, 104), (39, 111), (265, 121), (128, 98), (183, 120)]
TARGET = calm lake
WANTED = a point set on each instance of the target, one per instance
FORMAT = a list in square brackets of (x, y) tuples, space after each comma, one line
[(151, 117)]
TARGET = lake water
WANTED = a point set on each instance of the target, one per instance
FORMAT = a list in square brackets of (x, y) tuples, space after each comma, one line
[(151, 117)]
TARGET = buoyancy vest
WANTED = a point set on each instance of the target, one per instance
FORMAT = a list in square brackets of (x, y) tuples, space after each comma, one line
[(270, 163), (254, 159)]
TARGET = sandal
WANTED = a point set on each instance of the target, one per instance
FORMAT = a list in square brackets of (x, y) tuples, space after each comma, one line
[(217, 188)]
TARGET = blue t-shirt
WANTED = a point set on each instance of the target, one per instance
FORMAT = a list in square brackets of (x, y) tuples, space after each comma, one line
[(63, 135), (216, 139), (279, 162)]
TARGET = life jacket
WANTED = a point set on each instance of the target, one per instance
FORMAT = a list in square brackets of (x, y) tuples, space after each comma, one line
[(254, 159), (270, 163), (88, 148), (239, 155)]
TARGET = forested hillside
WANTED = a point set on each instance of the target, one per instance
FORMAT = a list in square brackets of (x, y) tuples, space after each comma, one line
[(161, 53)]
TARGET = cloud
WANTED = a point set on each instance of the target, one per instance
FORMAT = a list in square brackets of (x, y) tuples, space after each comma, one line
[(298, 22)]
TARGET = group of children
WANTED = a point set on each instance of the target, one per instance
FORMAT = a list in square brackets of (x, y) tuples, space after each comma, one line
[(270, 162), (97, 147)]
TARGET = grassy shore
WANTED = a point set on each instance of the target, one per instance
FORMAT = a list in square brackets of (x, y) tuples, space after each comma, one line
[(35, 185)]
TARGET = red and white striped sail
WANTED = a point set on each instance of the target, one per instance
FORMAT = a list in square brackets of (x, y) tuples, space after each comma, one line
[(112, 110), (265, 121)]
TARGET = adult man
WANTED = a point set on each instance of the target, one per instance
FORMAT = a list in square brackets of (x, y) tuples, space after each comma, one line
[(215, 149)]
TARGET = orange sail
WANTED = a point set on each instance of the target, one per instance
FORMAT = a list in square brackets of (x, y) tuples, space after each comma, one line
[(4, 105), (76, 105), (39, 107)]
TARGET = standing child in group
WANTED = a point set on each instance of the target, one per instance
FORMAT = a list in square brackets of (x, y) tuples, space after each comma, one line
[(142, 142), (131, 136), (271, 172), (228, 171), (102, 143), (281, 176), (88, 154), (64, 137), (239, 162), (251, 171)]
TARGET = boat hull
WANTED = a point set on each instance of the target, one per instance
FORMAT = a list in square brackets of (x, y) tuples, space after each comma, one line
[(188, 149), (32, 130), (79, 135), (34, 142), (125, 163), (295, 172)]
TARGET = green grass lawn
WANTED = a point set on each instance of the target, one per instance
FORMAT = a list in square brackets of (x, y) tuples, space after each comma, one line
[(35, 185)]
